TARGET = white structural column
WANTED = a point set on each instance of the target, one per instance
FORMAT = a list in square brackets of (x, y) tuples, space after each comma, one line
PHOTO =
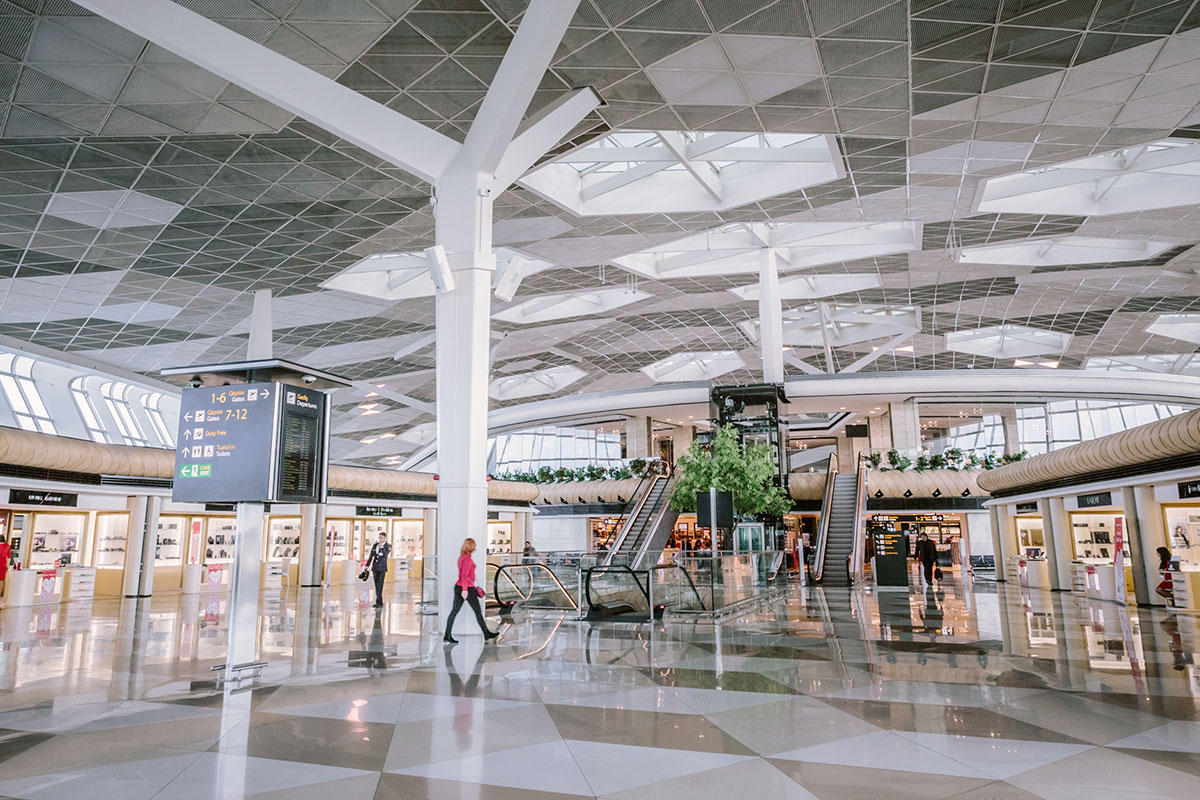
[(1056, 526), (312, 543), (140, 545), (1152, 534), (464, 228), (1012, 433), (243, 598), (1139, 554), (770, 316), (638, 437), (905, 420), (1004, 543), (879, 433)]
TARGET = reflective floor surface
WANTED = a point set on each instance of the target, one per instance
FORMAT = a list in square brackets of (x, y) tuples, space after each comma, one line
[(979, 692)]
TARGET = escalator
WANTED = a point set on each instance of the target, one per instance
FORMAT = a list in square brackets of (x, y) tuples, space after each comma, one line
[(837, 561), (648, 529)]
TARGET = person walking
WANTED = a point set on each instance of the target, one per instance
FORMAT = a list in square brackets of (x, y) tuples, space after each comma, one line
[(465, 589), (378, 563), (927, 555)]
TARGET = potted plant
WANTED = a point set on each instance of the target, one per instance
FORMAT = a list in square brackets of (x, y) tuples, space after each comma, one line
[(746, 473)]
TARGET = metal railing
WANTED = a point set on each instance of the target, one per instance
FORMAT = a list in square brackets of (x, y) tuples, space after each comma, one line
[(619, 541), (823, 525), (522, 583), (859, 548), (675, 590)]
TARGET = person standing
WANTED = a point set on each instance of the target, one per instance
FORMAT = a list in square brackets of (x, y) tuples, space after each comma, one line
[(6, 557), (465, 589), (378, 562), (927, 555)]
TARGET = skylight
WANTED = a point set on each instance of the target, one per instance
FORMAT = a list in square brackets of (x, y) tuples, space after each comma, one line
[(1184, 327), (642, 171), (736, 248), (1064, 250), (570, 304), (112, 208), (1008, 341), (531, 384), (402, 276), (1160, 174), (693, 366)]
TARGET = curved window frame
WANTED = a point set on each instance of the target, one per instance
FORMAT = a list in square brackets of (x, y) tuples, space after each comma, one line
[(87, 409), (116, 398), (22, 395)]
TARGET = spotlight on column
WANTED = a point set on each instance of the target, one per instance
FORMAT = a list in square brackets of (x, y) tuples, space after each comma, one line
[(509, 278), (908, 492), (937, 492), (439, 268)]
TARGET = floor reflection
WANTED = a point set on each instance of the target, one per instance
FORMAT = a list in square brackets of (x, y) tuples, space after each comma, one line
[(983, 690)]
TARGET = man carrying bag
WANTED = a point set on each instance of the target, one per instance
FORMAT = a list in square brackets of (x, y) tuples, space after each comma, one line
[(377, 562)]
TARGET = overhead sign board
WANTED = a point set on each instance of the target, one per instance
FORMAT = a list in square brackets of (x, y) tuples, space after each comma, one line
[(246, 443), (22, 497), (1097, 500), (1189, 490)]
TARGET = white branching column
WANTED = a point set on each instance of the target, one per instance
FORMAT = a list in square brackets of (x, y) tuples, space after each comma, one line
[(464, 228), (770, 316)]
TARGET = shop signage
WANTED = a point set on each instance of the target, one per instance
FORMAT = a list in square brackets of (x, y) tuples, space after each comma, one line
[(1189, 490), (21, 497), (1097, 500), (256, 442), (1119, 558), (377, 511), (1027, 508)]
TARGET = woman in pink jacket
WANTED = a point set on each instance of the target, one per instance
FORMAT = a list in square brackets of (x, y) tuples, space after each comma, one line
[(465, 589)]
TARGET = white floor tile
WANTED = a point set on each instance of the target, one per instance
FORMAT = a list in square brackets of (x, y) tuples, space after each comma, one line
[(545, 767), (997, 758), (1178, 736), (614, 767), (883, 750)]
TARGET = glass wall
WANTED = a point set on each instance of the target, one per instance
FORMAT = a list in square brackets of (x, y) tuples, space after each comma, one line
[(556, 447)]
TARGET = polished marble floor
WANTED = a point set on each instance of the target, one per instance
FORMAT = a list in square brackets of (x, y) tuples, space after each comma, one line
[(977, 691)]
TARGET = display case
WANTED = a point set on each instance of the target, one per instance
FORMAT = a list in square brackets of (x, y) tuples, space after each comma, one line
[(1094, 535), (499, 537), (373, 528), (220, 540), (407, 538), (1031, 536), (283, 538), (55, 536), (111, 533), (1183, 532), (338, 534), (168, 548), (17, 522)]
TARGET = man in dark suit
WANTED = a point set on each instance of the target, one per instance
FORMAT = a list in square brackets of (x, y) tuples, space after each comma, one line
[(378, 562)]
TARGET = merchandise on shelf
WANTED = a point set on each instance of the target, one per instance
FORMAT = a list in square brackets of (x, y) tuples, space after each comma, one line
[(55, 539), (168, 548), (284, 541), (111, 532), (220, 541)]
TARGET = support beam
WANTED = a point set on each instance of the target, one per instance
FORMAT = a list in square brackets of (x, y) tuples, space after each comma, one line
[(322, 101), (880, 351), (520, 73), (543, 131), (260, 344), (770, 318), (802, 365), (823, 319), (702, 172), (417, 343), (399, 397)]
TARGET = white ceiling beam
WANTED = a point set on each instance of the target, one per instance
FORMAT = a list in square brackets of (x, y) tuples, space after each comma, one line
[(704, 146), (521, 71), (701, 171), (802, 365), (824, 322), (883, 350), (399, 397), (419, 342), (1181, 363), (624, 178), (541, 132), (342, 111), (602, 155)]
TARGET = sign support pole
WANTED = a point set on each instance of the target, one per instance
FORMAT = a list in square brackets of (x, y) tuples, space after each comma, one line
[(243, 598)]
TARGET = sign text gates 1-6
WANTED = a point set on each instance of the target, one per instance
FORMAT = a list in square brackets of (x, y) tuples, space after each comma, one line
[(228, 446)]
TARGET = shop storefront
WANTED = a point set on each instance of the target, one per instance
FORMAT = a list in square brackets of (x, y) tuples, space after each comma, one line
[(1098, 534)]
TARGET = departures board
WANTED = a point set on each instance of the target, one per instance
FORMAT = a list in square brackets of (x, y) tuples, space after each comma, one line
[(257, 442)]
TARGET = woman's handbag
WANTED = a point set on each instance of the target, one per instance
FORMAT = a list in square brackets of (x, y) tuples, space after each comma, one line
[(365, 574), (937, 574)]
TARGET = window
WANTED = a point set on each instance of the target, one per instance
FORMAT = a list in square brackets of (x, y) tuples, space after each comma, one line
[(83, 402), (556, 447), (115, 398), (16, 380), (151, 402)]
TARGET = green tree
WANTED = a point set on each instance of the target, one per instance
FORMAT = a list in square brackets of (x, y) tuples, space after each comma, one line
[(726, 465)]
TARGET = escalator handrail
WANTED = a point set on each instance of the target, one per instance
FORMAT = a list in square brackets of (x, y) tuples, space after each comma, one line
[(625, 516), (627, 527), (823, 525), (858, 552), (686, 574), (504, 570), (603, 568), (653, 523)]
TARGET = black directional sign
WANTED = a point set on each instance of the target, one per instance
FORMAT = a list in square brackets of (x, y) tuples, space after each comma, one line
[(244, 444)]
